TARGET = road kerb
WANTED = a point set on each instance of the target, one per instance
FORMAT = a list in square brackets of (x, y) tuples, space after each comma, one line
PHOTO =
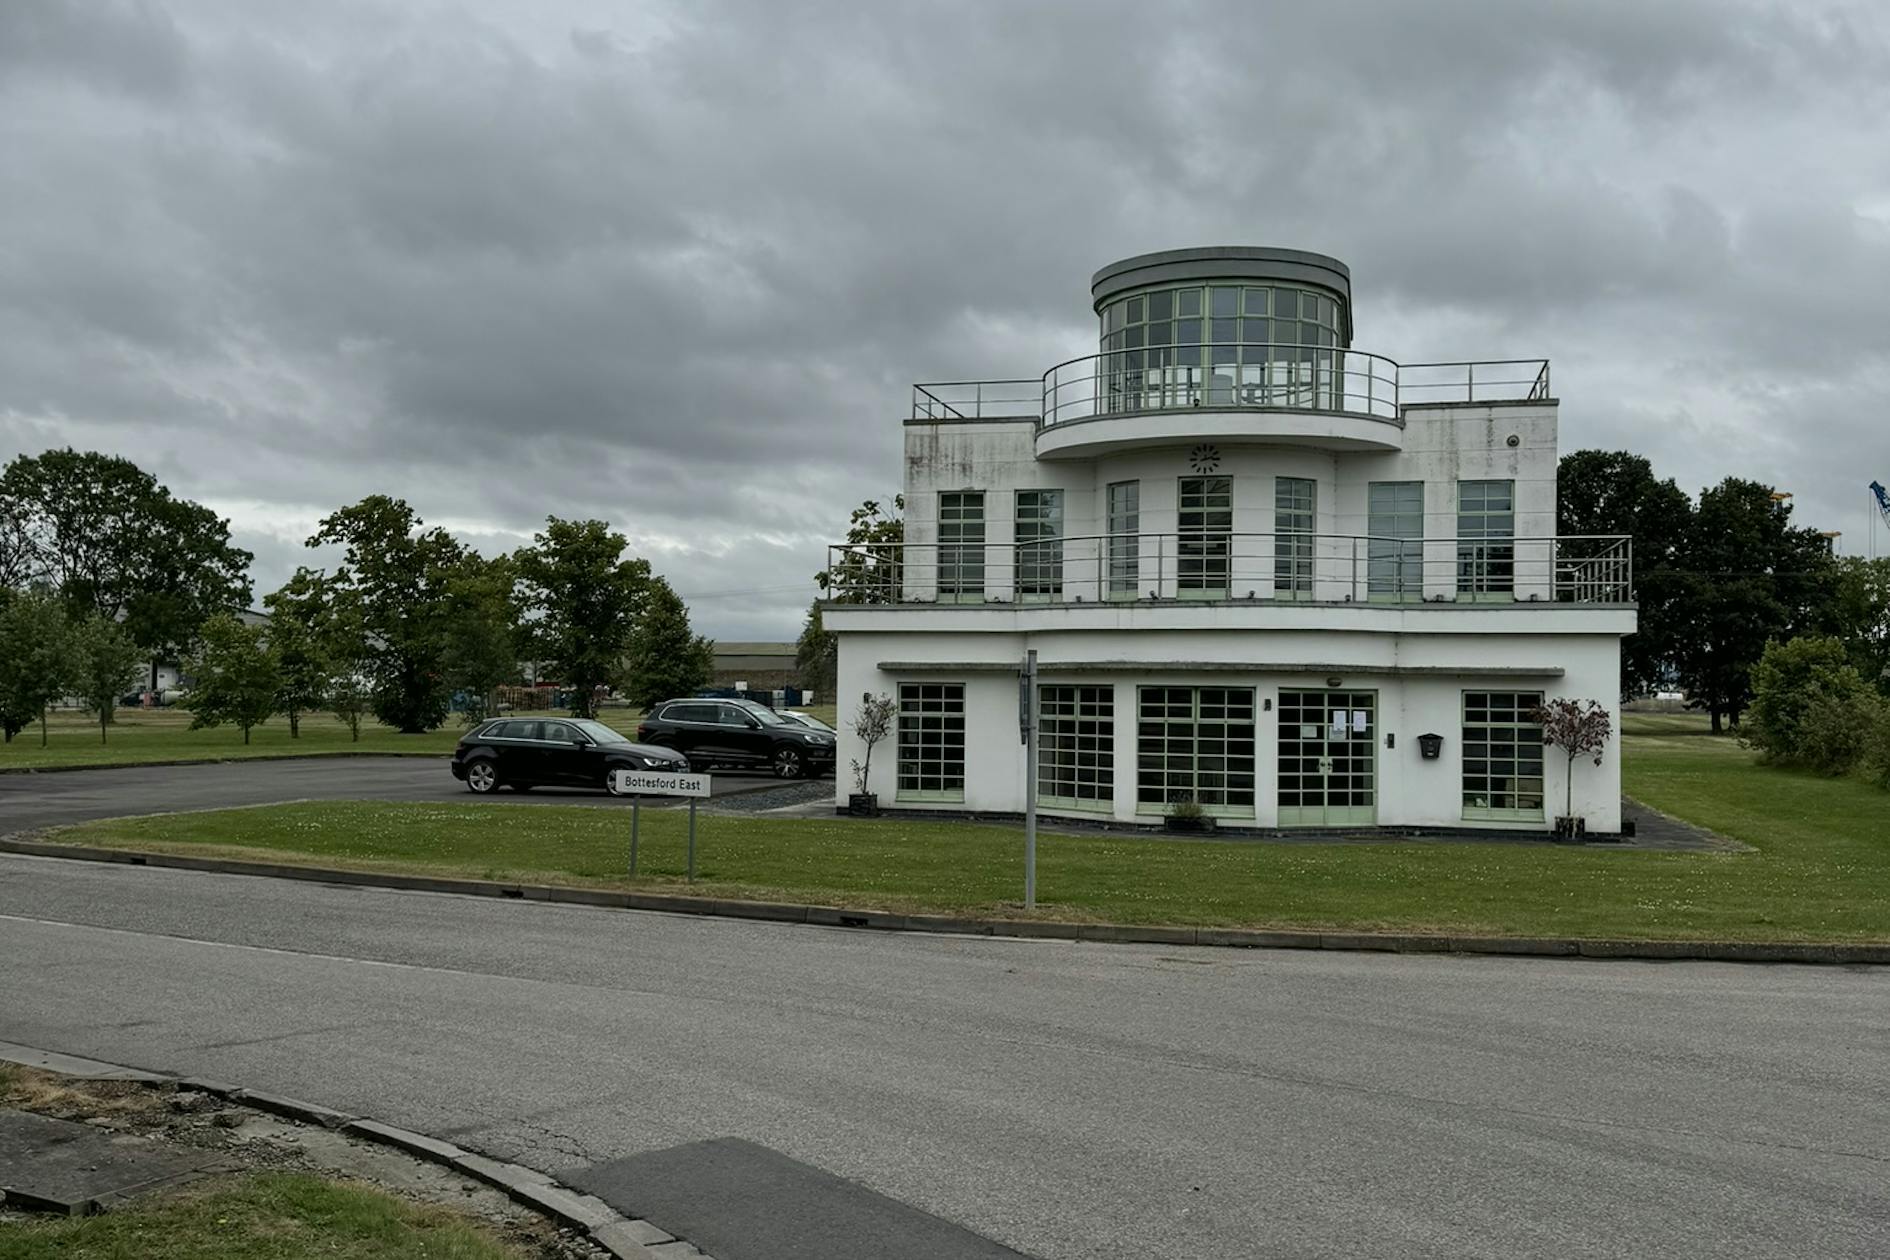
[(624, 1237), (1805, 952)]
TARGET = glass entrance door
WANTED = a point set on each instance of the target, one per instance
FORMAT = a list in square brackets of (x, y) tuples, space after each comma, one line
[(1328, 758)]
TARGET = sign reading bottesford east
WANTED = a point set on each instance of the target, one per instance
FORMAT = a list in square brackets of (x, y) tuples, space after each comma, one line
[(659, 783)]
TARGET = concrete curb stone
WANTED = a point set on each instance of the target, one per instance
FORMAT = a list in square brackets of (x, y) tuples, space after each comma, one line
[(293, 1108), (622, 1236), (1812, 953)]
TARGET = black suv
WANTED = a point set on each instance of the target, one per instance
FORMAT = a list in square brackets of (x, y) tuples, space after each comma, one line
[(737, 733), (523, 753)]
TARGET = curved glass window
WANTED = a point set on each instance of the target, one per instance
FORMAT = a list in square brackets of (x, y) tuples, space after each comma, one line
[(1221, 345)]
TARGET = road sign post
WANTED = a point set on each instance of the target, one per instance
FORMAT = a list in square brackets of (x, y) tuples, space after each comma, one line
[(1027, 724), (638, 784)]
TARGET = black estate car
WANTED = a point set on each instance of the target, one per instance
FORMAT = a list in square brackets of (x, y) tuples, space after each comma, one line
[(712, 732), (523, 753)]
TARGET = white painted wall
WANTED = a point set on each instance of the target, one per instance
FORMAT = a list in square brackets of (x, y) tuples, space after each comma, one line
[(1443, 445), (1411, 791)]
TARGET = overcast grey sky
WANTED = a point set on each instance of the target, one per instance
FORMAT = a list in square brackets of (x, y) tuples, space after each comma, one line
[(676, 265)]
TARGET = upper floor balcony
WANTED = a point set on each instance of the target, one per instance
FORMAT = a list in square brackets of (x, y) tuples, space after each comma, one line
[(1282, 392), (1220, 566)]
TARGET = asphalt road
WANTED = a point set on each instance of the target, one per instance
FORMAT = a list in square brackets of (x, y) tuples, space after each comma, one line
[(31, 801), (1066, 1099)]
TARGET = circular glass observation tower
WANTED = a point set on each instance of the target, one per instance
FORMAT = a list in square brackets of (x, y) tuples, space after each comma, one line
[(1224, 328)]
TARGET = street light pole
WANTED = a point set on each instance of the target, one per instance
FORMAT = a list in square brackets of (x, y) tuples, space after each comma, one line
[(1027, 721)]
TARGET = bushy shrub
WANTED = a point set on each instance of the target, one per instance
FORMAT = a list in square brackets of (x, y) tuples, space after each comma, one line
[(1838, 730), (1810, 706), (1876, 758)]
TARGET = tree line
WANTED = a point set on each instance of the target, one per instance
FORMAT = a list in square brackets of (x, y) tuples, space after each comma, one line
[(102, 569), (1720, 577)]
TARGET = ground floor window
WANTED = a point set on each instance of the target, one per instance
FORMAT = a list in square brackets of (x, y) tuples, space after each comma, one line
[(932, 741), (1195, 743), (1502, 755), (1076, 740)]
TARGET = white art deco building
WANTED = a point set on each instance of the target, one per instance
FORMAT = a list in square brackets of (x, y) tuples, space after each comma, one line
[(1295, 582)]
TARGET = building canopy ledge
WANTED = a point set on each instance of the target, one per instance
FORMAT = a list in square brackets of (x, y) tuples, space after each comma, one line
[(1220, 667)]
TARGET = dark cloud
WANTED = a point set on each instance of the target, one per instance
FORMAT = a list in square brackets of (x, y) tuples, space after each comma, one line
[(678, 269)]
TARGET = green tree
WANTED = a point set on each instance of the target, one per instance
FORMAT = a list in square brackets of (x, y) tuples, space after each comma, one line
[(1810, 706), (482, 633), (870, 568), (1862, 610), (393, 585), (1615, 492), (666, 657), (115, 543), (300, 629), (582, 597), (36, 657), (350, 699), (234, 677), (1747, 576), (104, 663), (817, 654)]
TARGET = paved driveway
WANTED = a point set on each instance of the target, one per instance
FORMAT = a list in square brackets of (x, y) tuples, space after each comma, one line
[(31, 801), (1067, 1099)]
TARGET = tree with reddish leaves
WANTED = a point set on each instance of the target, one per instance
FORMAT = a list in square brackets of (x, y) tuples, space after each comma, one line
[(1580, 728)]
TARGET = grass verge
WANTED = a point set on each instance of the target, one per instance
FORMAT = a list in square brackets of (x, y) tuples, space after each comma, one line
[(262, 1216), (1820, 870)]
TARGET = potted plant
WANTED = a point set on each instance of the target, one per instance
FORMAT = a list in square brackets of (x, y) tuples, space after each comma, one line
[(1580, 728), (1186, 815), (872, 722)]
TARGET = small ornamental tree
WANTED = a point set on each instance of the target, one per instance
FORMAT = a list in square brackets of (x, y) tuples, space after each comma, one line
[(349, 698), (872, 723), (1580, 728), (105, 662), (234, 676)]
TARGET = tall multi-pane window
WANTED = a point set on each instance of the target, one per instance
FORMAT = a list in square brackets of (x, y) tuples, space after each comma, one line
[(1294, 523), (1486, 532), (961, 545), (1395, 565), (1502, 755), (932, 741), (1195, 743), (1204, 537), (1039, 544), (1227, 344), (1125, 540), (1076, 746)]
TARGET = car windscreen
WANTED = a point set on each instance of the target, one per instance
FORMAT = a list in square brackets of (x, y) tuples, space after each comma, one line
[(600, 733), (814, 722), (768, 716)]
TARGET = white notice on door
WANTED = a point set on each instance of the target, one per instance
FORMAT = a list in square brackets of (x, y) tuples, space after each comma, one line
[(1361, 719), (1338, 725)]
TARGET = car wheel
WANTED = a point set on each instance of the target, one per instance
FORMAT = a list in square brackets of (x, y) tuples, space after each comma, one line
[(788, 763), (481, 776), (610, 782)]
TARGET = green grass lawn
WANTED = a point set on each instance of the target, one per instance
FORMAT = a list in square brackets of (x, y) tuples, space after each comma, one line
[(145, 735), (268, 1216), (1820, 870)]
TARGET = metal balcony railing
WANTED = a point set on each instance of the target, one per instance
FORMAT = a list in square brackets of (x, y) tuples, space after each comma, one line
[(1232, 376), (1217, 565)]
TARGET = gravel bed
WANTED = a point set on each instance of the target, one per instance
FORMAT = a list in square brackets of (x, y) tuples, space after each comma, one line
[(795, 793)]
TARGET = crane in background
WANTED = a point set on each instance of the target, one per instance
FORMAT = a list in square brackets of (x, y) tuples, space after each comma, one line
[(1883, 506)]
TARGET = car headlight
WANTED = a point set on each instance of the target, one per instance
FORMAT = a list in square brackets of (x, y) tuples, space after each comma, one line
[(815, 737)]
